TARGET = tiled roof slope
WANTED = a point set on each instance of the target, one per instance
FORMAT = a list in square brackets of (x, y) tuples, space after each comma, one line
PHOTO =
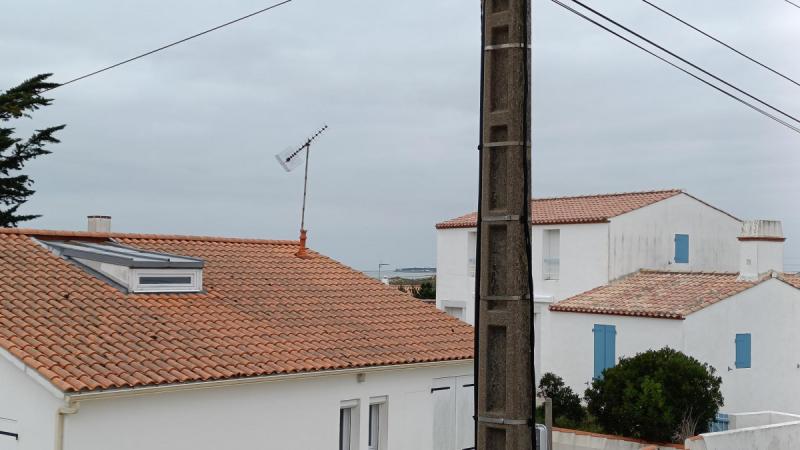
[(582, 209), (793, 279), (669, 295), (264, 312)]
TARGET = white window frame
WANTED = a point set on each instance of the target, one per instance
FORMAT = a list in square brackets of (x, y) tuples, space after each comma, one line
[(351, 441), (455, 311), (378, 423), (454, 304), (551, 265), (195, 284), (472, 252)]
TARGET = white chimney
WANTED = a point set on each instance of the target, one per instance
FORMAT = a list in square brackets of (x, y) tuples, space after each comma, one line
[(760, 248), (99, 224)]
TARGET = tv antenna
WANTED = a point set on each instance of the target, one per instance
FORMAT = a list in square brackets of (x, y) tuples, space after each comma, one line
[(289, 159)]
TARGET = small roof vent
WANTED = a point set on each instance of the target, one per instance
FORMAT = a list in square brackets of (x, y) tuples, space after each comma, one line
[(134, 270)]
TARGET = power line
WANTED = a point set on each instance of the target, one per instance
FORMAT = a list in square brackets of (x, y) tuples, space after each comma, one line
[(702, 80), (722, 43), (171, 44), (684, 60), (793, 4)]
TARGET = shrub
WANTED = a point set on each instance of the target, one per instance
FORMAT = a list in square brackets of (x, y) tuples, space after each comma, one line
[(566, 403), (427, 291), (651, 395)]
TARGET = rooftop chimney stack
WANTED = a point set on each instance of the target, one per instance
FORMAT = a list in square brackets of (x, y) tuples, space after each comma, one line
[(99, 224), (760, 248)]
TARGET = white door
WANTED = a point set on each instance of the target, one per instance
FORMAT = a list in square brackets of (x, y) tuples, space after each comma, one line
[(453, 426), (443, 391), (465, 410), (8, 434)]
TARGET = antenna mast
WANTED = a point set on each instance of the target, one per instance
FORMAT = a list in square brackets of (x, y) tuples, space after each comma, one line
[(287, 160)]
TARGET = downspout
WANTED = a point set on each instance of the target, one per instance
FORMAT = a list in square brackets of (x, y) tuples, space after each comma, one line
[(71, 407)]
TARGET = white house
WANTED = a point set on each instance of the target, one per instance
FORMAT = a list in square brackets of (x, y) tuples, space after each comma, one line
[(583, 242), (177, 342), (744, 324)]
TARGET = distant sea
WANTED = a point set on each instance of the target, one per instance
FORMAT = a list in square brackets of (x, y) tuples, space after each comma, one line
[(412, 275)]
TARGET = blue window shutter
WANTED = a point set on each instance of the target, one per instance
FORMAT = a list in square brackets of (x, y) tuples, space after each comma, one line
[(599, 346), (611, 346), (743, 344), (681, 248), (605, 348)]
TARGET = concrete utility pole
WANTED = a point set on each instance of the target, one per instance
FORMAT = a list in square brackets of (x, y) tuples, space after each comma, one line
[(504, 353)]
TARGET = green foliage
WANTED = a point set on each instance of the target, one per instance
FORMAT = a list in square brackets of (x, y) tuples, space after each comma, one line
[(651, 395), (567, 409), (426, 290), (15, 188)]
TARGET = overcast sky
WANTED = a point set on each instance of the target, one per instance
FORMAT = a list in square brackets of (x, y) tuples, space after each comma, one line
[(182, 142)]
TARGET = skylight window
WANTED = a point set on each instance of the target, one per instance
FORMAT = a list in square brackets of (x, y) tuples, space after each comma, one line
[(132, 269)]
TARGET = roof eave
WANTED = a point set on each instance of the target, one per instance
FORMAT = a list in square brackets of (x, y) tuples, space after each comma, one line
[(99, 394)]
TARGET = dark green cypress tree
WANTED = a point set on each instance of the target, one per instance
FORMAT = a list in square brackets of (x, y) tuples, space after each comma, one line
[(15, 188)]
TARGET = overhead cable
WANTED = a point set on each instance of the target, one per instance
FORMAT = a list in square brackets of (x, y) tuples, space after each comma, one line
[(684, 60), (164, 47), (722, 43), (697, 77)]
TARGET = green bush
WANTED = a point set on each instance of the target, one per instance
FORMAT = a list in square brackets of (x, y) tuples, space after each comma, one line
[(567, 409), (656, 396)]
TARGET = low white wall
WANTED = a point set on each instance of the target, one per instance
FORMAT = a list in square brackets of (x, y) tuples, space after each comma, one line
[(781, 436), (758, 430), (758, 419), (579, 440)]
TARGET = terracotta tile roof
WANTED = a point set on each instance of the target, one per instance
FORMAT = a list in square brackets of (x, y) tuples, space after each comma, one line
[(582, 209), (264, 312), (792, 278), (669, 295)]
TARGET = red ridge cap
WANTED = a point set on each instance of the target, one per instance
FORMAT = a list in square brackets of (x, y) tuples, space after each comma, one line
[(113, 235)]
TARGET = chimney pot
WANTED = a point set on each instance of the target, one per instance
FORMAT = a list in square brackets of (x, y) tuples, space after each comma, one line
[(760, 249), (99, 224)]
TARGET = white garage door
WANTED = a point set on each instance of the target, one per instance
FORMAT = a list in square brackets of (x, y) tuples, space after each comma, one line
[(453, 426), (8, 434)]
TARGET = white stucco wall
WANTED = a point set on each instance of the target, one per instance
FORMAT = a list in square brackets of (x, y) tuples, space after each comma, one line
[(286, 415), (570, 353), (644, 238), (455, 284), (26, 405), (583, 255), (592, 254), (770, 312)]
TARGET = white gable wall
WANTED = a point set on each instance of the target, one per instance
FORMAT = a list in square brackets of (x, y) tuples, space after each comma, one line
[(770, 312), (27, 406), (297, 414), (583, 258), (644, 238), (455, 284)]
